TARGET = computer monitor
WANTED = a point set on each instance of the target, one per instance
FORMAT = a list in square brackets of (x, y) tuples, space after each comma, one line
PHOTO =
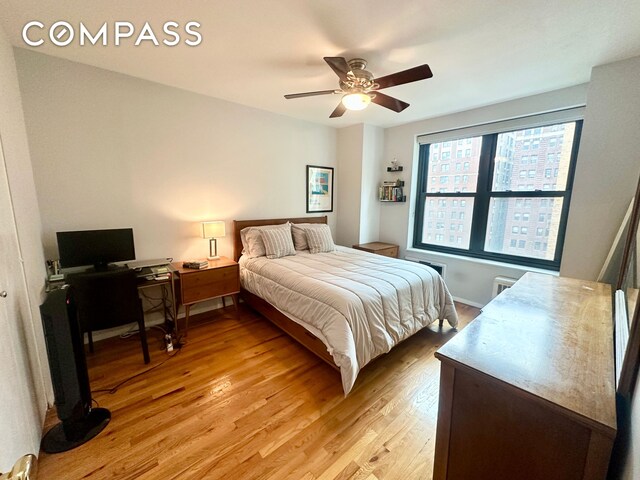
[(95, 247)]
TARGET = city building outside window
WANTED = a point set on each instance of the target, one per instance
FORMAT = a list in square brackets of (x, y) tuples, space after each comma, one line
[(495, 193)]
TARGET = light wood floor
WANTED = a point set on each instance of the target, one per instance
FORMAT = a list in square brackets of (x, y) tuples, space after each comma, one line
[(244, 401)]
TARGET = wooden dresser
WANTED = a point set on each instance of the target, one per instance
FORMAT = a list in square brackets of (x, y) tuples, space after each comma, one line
[(219, 279), (527, 389), (380, 248)]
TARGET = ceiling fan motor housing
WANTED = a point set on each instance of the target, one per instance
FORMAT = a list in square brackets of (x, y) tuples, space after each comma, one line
[(361, 80)]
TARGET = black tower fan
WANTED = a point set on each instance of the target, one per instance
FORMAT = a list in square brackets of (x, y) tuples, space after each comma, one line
[(68, 366)]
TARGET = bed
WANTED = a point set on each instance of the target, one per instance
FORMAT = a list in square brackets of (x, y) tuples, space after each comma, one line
[(346, 306)]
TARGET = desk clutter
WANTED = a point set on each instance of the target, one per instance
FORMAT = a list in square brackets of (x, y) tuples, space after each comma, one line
[(196, 264)]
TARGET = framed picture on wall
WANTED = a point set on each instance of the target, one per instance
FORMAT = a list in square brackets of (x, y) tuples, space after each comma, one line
[(319, 189)]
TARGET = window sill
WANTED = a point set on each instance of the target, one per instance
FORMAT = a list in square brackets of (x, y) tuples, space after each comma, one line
[(482, 261)]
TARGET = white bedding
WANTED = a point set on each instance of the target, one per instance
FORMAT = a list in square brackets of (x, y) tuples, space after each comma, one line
[(359, 304)]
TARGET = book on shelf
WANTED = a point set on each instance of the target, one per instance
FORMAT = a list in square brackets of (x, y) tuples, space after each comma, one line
[(197, 264), (388, 193)]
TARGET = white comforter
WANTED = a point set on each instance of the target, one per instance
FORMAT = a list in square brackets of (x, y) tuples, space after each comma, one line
[(359, 304)]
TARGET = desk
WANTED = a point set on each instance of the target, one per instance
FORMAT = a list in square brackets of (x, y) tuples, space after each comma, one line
[(168, 293)]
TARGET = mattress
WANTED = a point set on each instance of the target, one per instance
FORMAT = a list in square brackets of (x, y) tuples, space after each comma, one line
[(358, 303)]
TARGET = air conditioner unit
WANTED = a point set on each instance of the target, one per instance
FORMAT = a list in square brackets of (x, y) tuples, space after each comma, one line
[(500, 284), (438, 267)]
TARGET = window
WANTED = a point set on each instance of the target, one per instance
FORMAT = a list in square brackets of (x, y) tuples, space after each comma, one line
[(496, 208), (444, 167), (446, 155), (458, 167)]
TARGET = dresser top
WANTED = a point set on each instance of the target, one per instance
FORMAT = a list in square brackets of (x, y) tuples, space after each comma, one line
[(551, 337)]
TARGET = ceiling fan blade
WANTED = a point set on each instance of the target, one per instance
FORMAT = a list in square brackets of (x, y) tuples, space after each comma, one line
[(309, 94), (389, 102), (414, 74), (339, 111), (340, 66)]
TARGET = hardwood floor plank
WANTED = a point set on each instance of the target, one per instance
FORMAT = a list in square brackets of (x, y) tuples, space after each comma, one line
[(243, 400)]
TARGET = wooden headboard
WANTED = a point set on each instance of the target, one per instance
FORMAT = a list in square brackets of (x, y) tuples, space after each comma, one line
[(240, 224)]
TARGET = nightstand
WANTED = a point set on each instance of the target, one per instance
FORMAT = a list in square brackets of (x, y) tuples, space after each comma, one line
[(380, 248), (221, 278)]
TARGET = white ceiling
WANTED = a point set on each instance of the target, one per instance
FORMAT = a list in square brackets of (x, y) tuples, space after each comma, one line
[(255, 51)]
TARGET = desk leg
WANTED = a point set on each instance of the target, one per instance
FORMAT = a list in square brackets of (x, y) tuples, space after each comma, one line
[(223, 304), (186, 319)]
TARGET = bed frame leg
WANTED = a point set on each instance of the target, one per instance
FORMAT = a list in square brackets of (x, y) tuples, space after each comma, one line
[(440, 323)]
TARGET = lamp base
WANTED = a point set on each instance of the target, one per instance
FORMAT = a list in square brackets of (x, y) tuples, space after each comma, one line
[(215, 257)]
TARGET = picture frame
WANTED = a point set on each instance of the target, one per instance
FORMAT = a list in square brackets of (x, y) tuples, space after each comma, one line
[(319, 189)]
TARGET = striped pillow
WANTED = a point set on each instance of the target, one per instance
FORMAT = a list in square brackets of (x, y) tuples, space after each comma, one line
[(320, 240), (278, 242), (299, 232)]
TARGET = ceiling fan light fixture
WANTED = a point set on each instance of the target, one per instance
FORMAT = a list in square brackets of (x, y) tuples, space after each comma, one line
[(356, 101)]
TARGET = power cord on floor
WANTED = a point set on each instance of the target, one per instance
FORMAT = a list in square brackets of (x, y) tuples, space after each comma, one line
[(114, 389)]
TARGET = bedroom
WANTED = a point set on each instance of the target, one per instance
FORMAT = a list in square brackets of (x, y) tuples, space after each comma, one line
[(112, 142)]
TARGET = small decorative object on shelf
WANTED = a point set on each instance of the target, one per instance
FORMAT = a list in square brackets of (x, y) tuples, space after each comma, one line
[(394, 166), (392, 191)]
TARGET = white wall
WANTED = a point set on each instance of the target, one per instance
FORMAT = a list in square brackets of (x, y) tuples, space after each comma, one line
[(349, 178), (110, 151), (608, 167), (469, 280), (23, 370), (360, 152), (372, 168)]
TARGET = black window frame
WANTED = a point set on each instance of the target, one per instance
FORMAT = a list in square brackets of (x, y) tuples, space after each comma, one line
[(482, 199)]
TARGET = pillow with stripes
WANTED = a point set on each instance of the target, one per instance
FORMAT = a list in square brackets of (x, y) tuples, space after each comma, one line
[(278, 242), (319, 239)]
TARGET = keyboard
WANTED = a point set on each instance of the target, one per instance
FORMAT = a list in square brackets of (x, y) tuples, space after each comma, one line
[(158, 262)]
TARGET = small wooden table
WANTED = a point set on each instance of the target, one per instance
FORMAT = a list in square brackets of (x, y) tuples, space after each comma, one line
[(380, 248), (221, 278)]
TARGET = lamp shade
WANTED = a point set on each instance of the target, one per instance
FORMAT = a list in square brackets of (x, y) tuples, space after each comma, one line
[(213, 229)]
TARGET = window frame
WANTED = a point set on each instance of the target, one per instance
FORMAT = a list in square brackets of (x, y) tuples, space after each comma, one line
[(483, 195)]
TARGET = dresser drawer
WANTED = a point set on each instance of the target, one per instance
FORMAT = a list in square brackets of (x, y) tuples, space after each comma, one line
[(388, 252), (198, 286)]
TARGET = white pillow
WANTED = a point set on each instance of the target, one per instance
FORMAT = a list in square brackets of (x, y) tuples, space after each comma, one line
[(252, 242), (278, 242), (299, 232), (320, 240)]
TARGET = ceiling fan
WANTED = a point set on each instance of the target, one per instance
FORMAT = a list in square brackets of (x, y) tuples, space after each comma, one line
[(359, 88)]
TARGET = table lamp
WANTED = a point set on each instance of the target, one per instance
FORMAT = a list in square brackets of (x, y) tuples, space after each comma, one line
[(212, 231)]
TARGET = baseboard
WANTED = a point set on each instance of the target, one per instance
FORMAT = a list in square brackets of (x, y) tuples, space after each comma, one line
[(469, 302)]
